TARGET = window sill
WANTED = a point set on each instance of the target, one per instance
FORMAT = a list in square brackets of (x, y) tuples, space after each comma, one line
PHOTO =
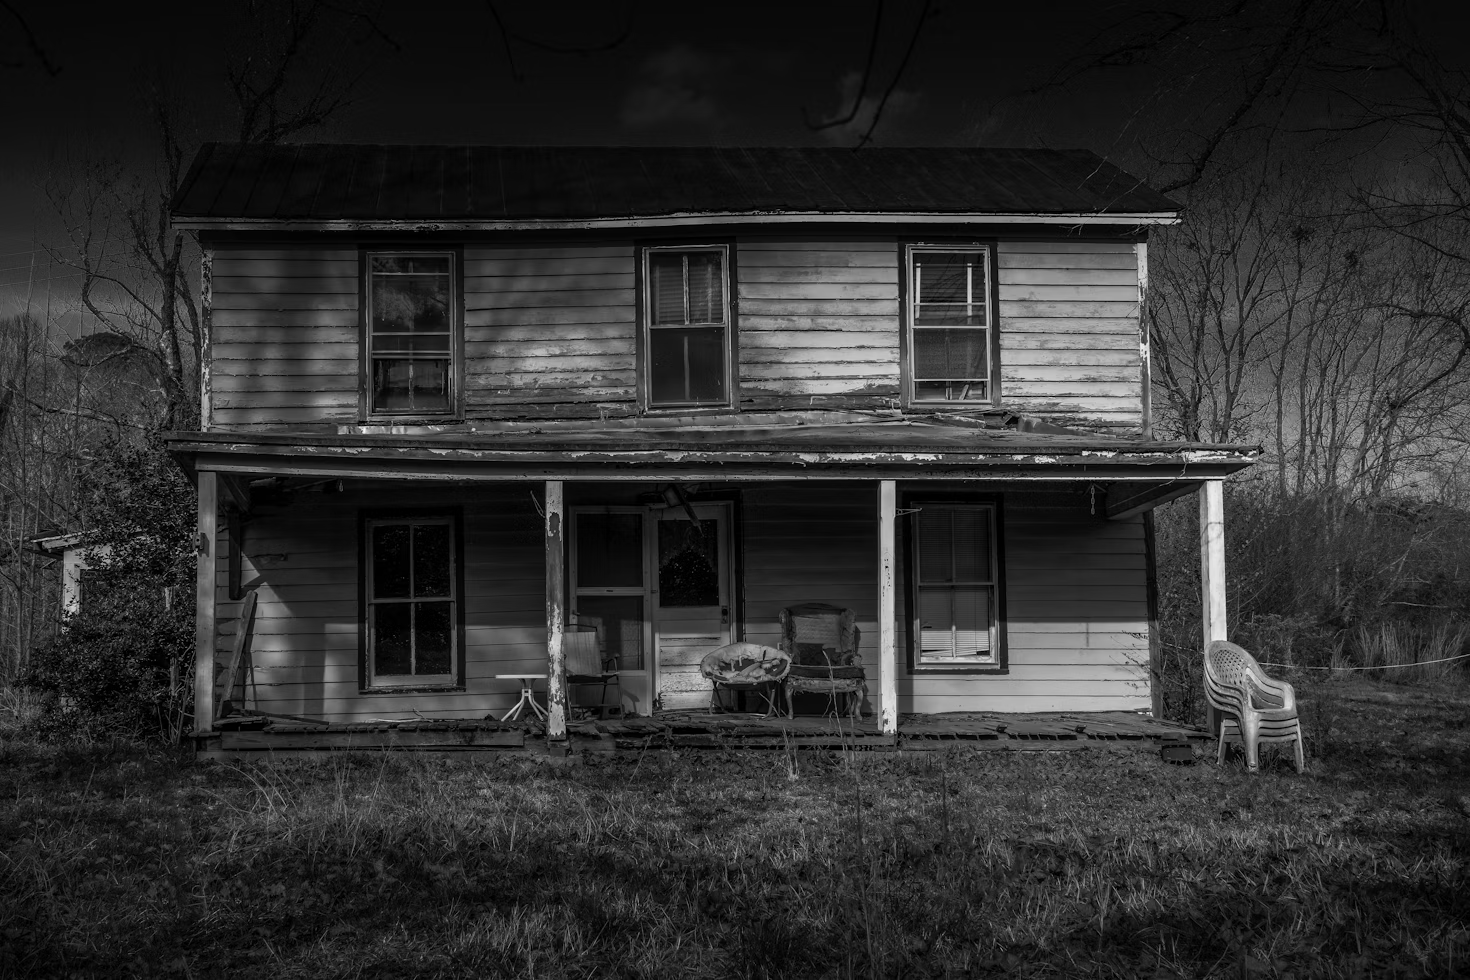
[(415, 689), (928, 670)]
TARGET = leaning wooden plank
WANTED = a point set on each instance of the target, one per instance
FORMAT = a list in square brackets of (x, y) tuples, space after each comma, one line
[(238, 652)]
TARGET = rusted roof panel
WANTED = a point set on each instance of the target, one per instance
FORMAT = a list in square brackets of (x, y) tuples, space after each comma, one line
[(367, 182)]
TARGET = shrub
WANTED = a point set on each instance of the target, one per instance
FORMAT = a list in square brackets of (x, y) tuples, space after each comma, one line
[(122, 665)]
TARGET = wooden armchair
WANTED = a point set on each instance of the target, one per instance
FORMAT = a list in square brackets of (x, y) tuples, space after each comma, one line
[(585, 664), (822, 642), (1254, 708)]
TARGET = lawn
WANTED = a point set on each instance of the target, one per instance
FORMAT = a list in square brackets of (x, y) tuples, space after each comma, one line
[(1103, 862)]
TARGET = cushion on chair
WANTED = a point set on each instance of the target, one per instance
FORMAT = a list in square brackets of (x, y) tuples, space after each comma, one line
[(821, 671)]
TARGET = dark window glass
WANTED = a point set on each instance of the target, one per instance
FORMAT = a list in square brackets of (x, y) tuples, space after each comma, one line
[(390, 561), (688, 563), (609, 551), (412, 561), (948, 326), (433, 637), (431, 563), (955, 584), (688, 365), (687, 330), (618, 620), (393, 638), (412, 331)]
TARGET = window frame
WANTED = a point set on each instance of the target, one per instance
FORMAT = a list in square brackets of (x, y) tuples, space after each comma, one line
[(368, 680), (913, 503), (645, 325), (367, 412), (907, 302)]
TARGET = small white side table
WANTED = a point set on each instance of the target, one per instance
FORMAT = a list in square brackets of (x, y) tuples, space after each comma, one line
[(528, 695)]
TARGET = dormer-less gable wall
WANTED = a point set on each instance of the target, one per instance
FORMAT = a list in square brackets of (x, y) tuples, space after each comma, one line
[(559, 330)]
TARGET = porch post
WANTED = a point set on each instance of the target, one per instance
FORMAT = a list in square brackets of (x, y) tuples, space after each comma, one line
[(1212, 570), (556, 692), (887, 636), (204, 593)]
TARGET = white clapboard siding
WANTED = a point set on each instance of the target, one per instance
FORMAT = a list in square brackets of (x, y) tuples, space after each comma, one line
[(550, 325), (1075, 588), (1069, 331), (283, 336), (1076, 595), (302, 561), (818, 319)]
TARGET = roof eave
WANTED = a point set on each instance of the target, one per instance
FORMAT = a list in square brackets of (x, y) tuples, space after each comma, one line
[(685, 219)]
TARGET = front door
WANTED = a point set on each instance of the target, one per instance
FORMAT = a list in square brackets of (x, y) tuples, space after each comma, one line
[(650, 579), (692, 574)]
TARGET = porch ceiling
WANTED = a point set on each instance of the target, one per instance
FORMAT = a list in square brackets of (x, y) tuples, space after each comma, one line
[(907, 450)]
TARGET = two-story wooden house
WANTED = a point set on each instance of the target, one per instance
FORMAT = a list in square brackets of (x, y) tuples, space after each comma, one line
[(456, 399)]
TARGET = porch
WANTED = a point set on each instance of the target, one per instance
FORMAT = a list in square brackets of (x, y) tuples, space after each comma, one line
[(1045, 732), (529, 537)]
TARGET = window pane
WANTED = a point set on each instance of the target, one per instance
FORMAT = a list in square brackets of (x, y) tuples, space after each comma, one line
[(431, 563), (411, 303), (411, 264), (433, 637), (971, 622), (688, 563), (936, 549), (949, 315), (949, 277), (688, 365), (609, 551), (390, 561), (393, 639), (619, 624), (971, 542), (936, 624), (666, 284), (410, 385), (411, 343), (950, 354), (706, 288)]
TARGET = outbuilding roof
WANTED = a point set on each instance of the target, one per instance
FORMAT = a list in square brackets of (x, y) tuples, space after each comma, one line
[(490, 185)]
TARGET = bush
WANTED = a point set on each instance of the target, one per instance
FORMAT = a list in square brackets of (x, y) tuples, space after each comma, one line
[(123, 665)]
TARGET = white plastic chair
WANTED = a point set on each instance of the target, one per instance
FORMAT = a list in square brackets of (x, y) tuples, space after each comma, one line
[(1254, 708)]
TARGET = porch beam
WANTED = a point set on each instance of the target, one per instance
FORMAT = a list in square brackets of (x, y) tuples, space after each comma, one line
[(1129, 500), (204, 594), (556, 602), (887, 634), (1212, 571)]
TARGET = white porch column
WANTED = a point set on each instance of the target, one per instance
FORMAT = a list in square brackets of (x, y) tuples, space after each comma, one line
[(887, 635), (1212, 570), (204, 593), (556, 691)]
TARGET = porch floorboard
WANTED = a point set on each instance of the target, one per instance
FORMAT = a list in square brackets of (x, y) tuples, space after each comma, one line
[(697, 729)]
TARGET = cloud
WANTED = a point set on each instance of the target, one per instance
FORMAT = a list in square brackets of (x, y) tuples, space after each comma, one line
[(676, 88), (897, 112)]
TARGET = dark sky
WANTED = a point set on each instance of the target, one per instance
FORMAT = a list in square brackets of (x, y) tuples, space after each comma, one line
[(725, 73)]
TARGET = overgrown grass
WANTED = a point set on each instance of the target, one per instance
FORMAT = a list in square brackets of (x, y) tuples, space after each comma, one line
[(718, 864)]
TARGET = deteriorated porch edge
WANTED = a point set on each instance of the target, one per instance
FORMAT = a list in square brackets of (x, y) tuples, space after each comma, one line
[(1045, 732)]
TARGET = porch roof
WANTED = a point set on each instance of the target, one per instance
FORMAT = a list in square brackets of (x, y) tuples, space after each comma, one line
[(896, 449)]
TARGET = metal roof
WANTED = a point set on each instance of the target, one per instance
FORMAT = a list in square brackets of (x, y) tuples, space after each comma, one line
[(266, 184)]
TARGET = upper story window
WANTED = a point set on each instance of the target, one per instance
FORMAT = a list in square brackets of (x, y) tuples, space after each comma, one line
[(949, 333), (413, 323), (687, 326)]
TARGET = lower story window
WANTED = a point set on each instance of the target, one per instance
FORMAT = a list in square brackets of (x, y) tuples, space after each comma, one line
[(412, 601), (955, 562)]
